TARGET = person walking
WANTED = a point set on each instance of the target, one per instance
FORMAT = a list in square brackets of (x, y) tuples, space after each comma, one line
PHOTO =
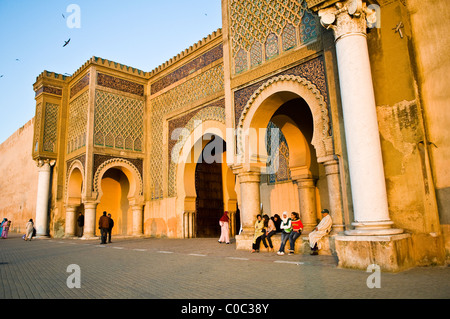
[(297, 228), (259, 230), (224, 228), (270, 230), (1, 225), (103, 225), (30, 229), (286, 228), (80, 222), (5, 230), (111, 225)]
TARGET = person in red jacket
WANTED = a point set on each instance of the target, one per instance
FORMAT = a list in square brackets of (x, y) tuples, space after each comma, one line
[(297, 227)]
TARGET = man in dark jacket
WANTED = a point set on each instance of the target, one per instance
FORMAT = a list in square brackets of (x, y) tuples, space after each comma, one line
[(80, 221), (111, 225), (103, 225)]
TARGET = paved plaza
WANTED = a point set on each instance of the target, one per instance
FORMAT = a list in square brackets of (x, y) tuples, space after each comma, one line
[(182, 269)]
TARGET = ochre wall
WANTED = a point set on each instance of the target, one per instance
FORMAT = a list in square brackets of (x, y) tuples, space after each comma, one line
[(19, 178)]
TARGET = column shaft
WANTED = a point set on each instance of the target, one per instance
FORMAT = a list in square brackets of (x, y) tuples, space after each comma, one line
[(90, 223), (307, 199), (43, 198), (71, 217), (250, 199)]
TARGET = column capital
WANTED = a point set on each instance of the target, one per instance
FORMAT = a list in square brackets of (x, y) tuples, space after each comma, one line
[(41, 162), (346, 17)]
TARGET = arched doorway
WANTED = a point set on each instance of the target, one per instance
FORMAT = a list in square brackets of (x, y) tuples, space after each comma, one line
[(118, 188), (115, 187), (189, 161), (74, 206), (311, 152), (209, 188)]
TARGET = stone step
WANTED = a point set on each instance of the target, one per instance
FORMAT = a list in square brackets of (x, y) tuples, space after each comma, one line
[(244, 242)]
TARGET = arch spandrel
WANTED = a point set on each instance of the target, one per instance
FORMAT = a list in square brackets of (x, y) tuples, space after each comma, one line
[(135, 194), (271, 95)]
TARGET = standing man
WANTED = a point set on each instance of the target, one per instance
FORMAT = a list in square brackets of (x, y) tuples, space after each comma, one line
[(80, 222), (111, 225), (103, 225)]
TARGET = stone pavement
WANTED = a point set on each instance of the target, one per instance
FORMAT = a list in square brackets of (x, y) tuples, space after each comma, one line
[(155, 268)]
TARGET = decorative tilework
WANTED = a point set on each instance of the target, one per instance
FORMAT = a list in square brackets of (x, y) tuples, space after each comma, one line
[(195, 89), (282, 172), (77, 124), (49, 89), (212, 112), (269, 22), (37, 127), (115, 83), (256, 56), (50, 127), (198, 63), (288, 37), (79, 85), (313, 70), (99, 159), (309, 28), (240, 62), (118, 119), (271, 46)]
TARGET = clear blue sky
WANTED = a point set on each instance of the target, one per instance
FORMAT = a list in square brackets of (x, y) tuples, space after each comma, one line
[(138, 33)]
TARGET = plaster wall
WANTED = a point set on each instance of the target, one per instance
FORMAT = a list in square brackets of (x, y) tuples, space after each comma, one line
[(19, 176)]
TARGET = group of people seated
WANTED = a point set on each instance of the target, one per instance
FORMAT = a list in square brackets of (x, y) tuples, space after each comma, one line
[(290, 229)]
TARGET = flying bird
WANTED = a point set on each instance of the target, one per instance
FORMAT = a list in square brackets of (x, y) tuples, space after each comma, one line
[(1, 76), (63, 15), (66, 43)]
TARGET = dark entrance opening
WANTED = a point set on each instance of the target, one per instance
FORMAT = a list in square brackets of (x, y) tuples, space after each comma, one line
[(209, 201)]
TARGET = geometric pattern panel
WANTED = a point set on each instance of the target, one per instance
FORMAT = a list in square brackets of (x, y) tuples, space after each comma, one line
[(77, 122), (50, 127), (37, 127), (267, 23), (278, 161), (195, 89), (118, 121)]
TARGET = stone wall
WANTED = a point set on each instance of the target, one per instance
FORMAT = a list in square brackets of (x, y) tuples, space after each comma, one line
[(18, 178)]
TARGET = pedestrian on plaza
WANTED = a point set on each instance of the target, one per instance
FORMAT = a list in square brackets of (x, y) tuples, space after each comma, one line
[(297, 228), (277, 221), (270, 230), (224, 228), (286, 228), (321, 230), (80, 222), (111, 225), (29, 230), (5, 230), (259, 231), (1, 225), (103, 225)]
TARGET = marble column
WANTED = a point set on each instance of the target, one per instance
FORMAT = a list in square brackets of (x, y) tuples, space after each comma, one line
[(71, 217), (90, 223), (41, 220), (137, 220), (307, 201), (250, 199), (348, 21), (334, 194)]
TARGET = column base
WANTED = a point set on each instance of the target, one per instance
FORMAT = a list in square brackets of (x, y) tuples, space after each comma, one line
[(391, 253), (379, 228)]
